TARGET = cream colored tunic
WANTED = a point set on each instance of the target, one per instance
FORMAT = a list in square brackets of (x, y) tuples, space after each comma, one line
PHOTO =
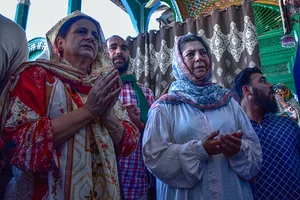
[(174, 154)]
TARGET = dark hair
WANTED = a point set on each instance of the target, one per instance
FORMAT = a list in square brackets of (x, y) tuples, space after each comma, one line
[(64, 29), (115, 36), (190, 38), (243, 78)]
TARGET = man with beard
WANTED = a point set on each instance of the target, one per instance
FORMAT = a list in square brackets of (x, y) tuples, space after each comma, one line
[(279, 177), (137, 98)]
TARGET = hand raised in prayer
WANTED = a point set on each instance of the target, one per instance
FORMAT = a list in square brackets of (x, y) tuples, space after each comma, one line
[(113, 98), (210, 144), (230, 144), (104, 93), (238, 134), (134, 116), (281, 100)]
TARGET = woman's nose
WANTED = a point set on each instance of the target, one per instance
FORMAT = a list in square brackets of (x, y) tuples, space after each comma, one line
[(198, 56), (90, 36)]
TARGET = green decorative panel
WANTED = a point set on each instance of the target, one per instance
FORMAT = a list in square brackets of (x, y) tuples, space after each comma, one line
[(36, 46), (269, 41), (277, 62), (276, 69), (267, 18)]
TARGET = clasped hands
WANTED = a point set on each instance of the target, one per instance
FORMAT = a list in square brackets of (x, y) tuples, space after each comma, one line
[(104, 95), (227, 144)]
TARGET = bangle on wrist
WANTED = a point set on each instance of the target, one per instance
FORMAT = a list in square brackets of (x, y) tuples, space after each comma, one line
[(115, 129)]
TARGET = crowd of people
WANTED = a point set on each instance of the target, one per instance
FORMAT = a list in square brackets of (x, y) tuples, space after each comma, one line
[(76, 125)]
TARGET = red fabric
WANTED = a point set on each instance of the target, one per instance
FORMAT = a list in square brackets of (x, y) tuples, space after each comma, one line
[(128, 95), (28, 133), (33, 86), (33, 146), (134, 173), (129, 143), (80, 88), (30, 143)]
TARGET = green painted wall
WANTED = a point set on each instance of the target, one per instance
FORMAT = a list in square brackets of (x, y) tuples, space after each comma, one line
[(277, 62)]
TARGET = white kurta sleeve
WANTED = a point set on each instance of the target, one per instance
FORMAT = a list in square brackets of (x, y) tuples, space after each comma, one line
[(178, 165), (248, 161)]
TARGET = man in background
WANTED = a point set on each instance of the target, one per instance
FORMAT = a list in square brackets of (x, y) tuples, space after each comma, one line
[(137, 98), (279, 177)]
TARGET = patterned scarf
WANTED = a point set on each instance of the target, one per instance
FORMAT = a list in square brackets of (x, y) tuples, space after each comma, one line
[(202, 93), (83, 83)]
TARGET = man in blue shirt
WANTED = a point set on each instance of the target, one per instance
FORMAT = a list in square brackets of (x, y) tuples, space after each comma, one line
[(279, 177)]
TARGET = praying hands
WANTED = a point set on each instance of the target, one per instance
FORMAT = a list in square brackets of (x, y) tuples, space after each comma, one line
[(227, 144)]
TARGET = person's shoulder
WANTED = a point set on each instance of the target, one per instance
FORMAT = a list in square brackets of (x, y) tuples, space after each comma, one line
[(169, 99), (166, 103), (233, 105), (147, 91), (143, 87), (10, 26), (30, 75), (284, 121), (13, 38), (234, 102), (33, 68), (278, 117)]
